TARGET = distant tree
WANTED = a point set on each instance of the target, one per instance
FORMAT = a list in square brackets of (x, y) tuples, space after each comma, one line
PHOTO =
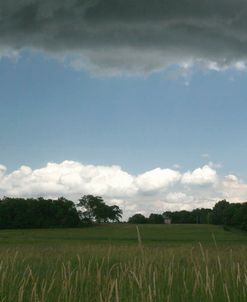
[(38, 213), (229, 213), (138, 218), (156, 218), (114, 213), (240, 216), (219, 209), (200, 216), (195, 216), (180, 216), (223, 213), (243, 222), (95, 209)]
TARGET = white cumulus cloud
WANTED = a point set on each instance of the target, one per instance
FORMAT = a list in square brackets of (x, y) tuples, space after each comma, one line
[(156, 190), (157, 179), (234, 189), (200, 176), (70, 178)]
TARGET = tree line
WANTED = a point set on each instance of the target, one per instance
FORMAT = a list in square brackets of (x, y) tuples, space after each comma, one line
[(230, 214), (202, 216), (54, 213), (223, 213), (61, 212)]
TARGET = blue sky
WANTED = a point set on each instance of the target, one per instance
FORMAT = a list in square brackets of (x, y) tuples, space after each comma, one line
[(141, 102), (51, 112)]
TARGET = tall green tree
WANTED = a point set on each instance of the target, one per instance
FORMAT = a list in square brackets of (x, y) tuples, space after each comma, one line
[(138, 219), (156, 218), (218, 212), (93, 208)]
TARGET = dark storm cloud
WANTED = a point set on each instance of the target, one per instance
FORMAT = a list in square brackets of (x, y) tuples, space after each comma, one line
[(128, 35)]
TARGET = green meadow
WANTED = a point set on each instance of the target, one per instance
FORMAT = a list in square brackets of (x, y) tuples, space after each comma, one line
[(119, 262)]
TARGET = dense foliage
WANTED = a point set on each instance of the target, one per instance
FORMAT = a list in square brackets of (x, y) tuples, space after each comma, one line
[(152, 219), (230, 214), (37, 213), (95, 209), (156, 218), (138, 218), (223, 213), (49, 213), (200, 216)]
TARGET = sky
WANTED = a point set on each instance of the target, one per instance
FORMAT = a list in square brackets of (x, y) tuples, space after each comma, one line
[(141, 102)]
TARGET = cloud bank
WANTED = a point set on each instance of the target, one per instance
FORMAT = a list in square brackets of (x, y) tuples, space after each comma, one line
[(156, 190), (133, 36)]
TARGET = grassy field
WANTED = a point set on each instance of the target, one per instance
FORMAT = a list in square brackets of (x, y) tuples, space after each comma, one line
[(110, 263)]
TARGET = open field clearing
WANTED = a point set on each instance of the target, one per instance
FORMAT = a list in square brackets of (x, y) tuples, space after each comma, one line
[(109, 263)]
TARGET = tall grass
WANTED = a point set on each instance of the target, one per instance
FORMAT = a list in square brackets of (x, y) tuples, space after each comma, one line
[(123, 263), (123, 273)]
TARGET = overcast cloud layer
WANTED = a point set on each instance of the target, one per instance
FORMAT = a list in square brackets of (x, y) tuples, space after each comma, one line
[(112, 36), (152, 191)]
